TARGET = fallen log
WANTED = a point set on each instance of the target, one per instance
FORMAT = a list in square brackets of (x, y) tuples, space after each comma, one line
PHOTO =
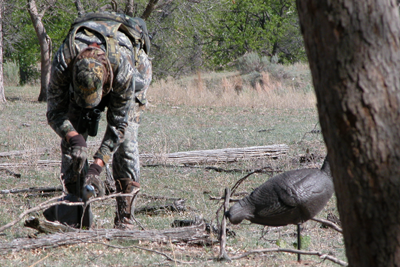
[(214, 156), (190, 235)]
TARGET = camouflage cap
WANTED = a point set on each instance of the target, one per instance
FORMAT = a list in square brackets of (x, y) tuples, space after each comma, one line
[(90, 73)]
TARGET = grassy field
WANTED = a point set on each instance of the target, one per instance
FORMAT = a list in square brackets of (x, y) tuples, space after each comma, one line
[(200, 112)]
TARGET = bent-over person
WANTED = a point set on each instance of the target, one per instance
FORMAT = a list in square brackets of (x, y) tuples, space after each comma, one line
[(102, 66)]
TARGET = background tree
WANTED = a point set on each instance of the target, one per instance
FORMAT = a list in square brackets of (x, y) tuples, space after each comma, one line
[(353, 49), (269, 27), (45, 45), (180, 29), (2, 96)]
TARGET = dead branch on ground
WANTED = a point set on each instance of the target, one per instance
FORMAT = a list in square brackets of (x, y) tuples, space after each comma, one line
[(329, 223), (213, 156), (17, 175), (190, 235), (266, 169)]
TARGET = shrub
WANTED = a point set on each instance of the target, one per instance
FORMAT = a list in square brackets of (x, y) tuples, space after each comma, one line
[(249, 62)]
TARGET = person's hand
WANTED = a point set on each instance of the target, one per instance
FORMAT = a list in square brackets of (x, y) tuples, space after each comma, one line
[(93, 178), (79, 152)]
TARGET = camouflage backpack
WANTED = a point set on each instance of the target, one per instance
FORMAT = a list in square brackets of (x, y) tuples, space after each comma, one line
[(107, 24)]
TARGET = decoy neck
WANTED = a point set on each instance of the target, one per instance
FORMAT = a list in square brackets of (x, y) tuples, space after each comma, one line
[(326, 168)]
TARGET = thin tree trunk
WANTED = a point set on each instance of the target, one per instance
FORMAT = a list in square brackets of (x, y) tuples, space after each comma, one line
[(79, 7), (130, 8), (2, 96), (45, 48), (149, 8), (353, 50)]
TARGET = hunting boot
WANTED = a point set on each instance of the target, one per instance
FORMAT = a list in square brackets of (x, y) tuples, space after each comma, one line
[(126, 204)]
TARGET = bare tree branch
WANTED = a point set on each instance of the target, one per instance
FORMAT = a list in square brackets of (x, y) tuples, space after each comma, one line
[(328, 223), (191, 234)]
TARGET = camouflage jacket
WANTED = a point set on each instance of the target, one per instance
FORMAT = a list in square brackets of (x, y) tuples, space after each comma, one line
[(132, 76)]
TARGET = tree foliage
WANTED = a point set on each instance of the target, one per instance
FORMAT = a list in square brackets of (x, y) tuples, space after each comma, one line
[(188, 35), (268, 27)]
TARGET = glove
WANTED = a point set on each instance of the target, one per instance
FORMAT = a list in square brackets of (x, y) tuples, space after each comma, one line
[(93, 178), (78, 152)]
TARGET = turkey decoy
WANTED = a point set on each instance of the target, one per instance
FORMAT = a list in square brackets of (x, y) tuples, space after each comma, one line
[(292, 197)]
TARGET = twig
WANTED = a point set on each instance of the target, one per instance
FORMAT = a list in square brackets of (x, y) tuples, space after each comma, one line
[(317, 253), (222, 235), (42, 259), (328, 223), (221, 198), (41, 206)]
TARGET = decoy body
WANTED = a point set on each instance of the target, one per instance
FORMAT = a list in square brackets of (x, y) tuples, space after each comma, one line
[(289, 198), (292, 197)]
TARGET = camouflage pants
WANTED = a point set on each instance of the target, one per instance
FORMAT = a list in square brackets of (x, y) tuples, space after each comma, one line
[(125, 162)]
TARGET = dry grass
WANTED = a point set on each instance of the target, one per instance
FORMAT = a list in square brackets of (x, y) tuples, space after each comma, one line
[(206, 111), (229, 90)]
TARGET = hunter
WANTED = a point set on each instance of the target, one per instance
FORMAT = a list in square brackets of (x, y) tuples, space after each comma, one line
[(102, 66)]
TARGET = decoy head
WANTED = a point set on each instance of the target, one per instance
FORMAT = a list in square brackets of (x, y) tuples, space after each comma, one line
[(88, 192), (237, 213)]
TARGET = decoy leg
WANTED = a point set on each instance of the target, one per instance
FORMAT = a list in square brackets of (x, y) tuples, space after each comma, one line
[(298, 242)]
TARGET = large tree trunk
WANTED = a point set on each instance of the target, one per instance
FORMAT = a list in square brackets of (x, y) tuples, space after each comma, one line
[(2, 96), (45, 48), (354, 54)]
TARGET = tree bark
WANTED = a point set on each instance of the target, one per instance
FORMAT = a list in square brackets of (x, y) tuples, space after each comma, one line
[(45, 48), (149, 8), (79, 7), (353, 51), (130, 8), (2, 96)]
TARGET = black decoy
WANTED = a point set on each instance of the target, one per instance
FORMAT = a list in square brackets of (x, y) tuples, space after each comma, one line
[(292, 197)]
